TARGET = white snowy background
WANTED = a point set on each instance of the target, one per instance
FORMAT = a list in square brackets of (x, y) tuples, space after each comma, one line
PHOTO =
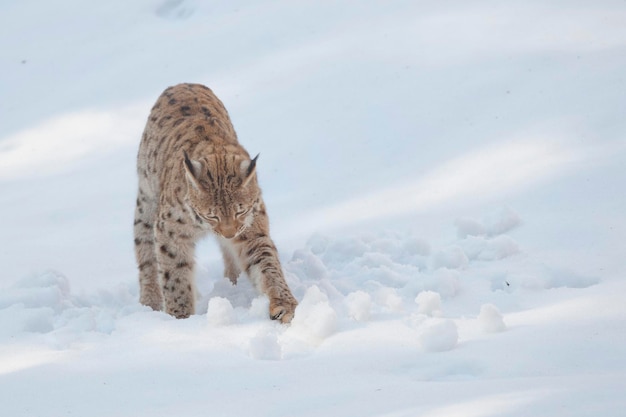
[(446, 185)]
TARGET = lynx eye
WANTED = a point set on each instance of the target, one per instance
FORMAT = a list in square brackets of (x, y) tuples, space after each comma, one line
[(240, 211), (213, 219)]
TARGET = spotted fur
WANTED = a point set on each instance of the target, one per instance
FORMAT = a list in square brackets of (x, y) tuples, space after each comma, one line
[(194, 179)]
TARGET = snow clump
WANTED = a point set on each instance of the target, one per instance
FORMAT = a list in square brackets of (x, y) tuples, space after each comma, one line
[(389, 298), (220, 312), (359, 305), (429, 303), (490, 319), (315, 319)]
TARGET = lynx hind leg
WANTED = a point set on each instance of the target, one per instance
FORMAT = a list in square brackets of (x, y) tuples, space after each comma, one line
[(149, 286), (231, 269)]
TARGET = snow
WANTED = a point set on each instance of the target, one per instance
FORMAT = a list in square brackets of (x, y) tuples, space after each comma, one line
[(444, 181), (359, 305), (491, 319), (220, 312), (438, 336), (429, 303)]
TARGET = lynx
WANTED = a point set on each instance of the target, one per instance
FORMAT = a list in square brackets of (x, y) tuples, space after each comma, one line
[(195, 179)]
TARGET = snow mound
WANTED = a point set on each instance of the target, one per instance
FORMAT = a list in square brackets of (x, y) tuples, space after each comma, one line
[(264, 345), (438, 335), (452, 257), (359, 305), (50, 289), (429, 303), (315, 319), (259, 307), (390, 300), (445, 282), (537, 277), (44, 303), (489, 249), (310, 265), (490, 319), (220, 312)]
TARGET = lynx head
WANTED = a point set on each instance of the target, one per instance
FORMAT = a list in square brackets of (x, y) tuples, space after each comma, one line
[(222, 191)]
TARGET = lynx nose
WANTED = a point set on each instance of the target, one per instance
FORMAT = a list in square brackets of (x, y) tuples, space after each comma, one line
[(228, 230)]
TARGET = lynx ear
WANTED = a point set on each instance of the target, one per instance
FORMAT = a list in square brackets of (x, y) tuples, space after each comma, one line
[(192, 170), (248, 169)]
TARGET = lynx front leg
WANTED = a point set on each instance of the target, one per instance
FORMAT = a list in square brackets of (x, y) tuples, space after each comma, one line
[(231, 269), (149, 287), (264, 270), (174, 253)]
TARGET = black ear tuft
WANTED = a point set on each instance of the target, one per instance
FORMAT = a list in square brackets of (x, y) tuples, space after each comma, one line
[(252, 166), (188, 163), (248, 172), (192, 170)]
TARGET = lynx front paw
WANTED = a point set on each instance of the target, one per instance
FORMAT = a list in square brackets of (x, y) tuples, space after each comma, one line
[(283, 310), (180, 312), (181, 308), (153, 301)]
